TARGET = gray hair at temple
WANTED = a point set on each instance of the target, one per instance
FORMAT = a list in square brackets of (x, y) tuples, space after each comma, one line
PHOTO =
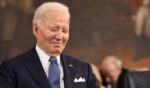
[(47, 7)]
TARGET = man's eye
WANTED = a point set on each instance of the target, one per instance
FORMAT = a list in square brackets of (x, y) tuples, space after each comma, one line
[(54, 29), (65, 30)]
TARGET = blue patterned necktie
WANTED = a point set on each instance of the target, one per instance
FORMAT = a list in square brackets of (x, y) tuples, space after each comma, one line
[(54, 73)]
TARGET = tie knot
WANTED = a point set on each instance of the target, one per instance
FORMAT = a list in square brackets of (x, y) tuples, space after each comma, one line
[(53, 60)]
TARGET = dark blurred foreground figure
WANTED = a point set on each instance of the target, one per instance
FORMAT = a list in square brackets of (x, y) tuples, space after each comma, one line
[(44, 66), (137, 79), (112, 72)]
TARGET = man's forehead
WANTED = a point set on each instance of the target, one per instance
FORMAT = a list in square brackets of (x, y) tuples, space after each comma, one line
[(107, 63), (55, 13), (109, 67), (55, 16)]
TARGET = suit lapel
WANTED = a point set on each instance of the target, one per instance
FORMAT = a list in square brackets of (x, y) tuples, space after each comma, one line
[(35, 68), (69, 71)]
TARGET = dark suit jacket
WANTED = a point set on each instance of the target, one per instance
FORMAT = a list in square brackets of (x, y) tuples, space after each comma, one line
[(26, 71), (137, 79)]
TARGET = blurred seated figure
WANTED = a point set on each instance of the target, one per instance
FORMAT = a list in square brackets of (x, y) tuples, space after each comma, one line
[(137, 79), (97, 75), (112, 72)]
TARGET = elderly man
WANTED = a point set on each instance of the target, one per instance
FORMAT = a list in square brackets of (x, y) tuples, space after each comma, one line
[(113, 72), (44, 66)]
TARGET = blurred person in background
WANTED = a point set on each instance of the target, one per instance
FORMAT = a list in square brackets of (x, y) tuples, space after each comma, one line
[(142, 21), (112, 72), (142, 30), (134, 6)]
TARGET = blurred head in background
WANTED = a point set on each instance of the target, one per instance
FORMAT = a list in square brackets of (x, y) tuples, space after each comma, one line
[(111, 68)]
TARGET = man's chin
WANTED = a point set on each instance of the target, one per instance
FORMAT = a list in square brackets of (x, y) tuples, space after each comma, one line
[(57, 51)]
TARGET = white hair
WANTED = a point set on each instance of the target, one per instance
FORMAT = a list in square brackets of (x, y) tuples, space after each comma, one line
[(115, 61), (47, 7)]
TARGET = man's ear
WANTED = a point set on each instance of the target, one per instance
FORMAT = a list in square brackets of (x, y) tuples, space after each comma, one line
[(35, 29)]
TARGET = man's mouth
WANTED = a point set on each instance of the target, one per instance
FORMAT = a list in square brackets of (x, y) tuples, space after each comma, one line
[(57, 43)]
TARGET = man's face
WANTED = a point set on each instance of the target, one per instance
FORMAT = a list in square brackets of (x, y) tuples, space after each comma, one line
[(53, 33), (110, 71), (110, 74)]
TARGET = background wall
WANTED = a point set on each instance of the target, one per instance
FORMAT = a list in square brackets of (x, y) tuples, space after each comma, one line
[(98, 28)]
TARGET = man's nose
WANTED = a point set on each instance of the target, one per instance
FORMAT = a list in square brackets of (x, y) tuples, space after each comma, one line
[(59, 35)]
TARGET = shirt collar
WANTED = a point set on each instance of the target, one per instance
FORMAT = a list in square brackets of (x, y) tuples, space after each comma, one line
[(43, 56)]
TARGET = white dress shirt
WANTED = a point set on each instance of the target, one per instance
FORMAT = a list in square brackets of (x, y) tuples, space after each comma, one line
[(44, 58)]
